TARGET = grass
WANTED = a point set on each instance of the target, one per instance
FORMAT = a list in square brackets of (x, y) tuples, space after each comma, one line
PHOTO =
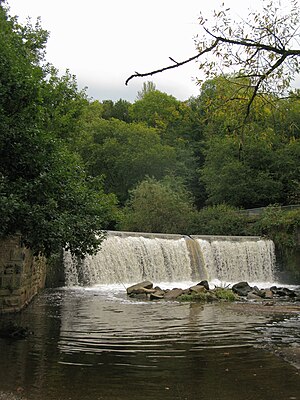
[(225, 294), (218, 294)]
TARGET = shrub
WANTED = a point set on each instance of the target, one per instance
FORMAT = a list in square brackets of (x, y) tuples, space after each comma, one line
[(158, 206), (220, 219), (280, 226)]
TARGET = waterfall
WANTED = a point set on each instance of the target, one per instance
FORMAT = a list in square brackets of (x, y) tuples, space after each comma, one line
[(232, 261), (133, 257)]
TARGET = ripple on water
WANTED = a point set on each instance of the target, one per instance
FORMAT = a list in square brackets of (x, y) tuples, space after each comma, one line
[(98, 344)]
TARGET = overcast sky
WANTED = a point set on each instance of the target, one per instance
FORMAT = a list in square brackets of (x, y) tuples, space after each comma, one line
[(103, 42)]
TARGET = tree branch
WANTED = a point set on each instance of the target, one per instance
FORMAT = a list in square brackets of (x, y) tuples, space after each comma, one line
[(251, 43), (176, 65), (260, 52), (262, 78)]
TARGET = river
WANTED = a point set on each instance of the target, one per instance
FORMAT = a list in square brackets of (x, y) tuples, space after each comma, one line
[(95, 343)]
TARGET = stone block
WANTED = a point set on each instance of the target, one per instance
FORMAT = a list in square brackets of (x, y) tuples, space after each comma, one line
[(21, 275)]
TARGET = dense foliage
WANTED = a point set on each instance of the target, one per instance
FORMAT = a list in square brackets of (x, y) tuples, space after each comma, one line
[(45, 193), (158, 206), (281, 226), (221, 219)]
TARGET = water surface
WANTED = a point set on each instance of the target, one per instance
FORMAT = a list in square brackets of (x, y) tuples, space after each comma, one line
[(96, 343)]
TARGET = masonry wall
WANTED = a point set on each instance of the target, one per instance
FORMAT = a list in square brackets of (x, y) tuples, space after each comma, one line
[(21, 275)]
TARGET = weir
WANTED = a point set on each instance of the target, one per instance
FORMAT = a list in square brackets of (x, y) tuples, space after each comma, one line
[(130, 257)]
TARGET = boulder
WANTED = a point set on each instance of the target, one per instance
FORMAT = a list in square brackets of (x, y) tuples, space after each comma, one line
[(204, 283), (139, 287), (197, 289), (173, 294), (268, 294), (211, 296), (297, 293), (254, 296), (283, 292), (139, 296), (258, 292), (241, 288), (157, 295), (290, 293)]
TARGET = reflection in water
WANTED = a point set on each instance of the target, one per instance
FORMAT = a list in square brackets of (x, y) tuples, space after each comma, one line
[(96, 344)]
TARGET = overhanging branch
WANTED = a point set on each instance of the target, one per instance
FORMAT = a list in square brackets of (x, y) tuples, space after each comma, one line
[(262, 78), (175, 65)]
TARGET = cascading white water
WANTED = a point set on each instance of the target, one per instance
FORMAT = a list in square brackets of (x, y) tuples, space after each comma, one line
[(233, 261), (130, 259)]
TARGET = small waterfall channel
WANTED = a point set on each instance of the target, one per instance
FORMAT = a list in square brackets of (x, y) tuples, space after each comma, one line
[(130, 257)]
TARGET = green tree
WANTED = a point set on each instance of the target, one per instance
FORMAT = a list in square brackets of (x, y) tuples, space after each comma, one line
[(219, 106), (262, 48), (45, 194), (159, 206), (251, 164), (147, 87), (173, 120), (157, 109), (56, 206), (62, 105), (286, 117), (288, 171), (282, 227), (247, 182), (220, 219), (120, 110), (124, 153)]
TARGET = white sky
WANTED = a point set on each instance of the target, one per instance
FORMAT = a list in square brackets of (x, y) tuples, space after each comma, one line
[(104, 42)]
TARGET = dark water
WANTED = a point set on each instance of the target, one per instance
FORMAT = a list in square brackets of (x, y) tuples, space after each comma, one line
[(97, 344)]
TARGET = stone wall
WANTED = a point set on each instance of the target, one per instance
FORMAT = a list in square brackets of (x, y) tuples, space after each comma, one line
[(21, 275)]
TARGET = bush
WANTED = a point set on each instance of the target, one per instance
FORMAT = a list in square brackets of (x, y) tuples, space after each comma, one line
[(283, 228), (220, 220), (158, 206), (280, 226)]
